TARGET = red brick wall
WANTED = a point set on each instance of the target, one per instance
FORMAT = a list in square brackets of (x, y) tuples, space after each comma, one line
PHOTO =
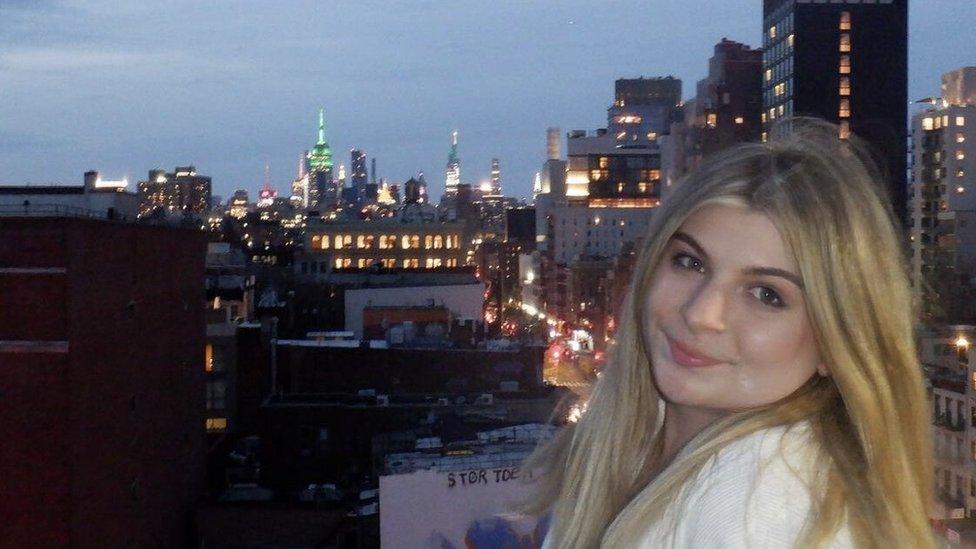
[(113, 428)]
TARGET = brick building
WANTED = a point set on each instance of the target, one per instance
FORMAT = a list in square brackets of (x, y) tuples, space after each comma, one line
[(101, 372)]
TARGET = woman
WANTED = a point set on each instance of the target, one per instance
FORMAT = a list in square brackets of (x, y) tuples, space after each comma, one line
[(763, 390)]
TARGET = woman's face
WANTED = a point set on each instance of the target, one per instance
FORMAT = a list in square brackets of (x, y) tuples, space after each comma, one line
[(725, 317)]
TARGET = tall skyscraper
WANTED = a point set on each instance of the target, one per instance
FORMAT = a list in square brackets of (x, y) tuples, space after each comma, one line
[(943, 201), (496, 177), (453, 172), (359, 177), (846, 62), (322, 191), (299, 187)]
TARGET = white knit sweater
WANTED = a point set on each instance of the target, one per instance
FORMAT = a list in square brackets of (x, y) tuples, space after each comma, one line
[(755, 493)]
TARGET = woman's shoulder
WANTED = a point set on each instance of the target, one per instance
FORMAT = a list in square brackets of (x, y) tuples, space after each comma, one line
[(755, 492)]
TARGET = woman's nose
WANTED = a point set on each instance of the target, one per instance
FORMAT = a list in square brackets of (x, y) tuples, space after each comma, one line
[(704, 309)]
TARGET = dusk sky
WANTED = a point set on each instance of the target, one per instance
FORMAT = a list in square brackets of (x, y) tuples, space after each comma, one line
[(127, 86)]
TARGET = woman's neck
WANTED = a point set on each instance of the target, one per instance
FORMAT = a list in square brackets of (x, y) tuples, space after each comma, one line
[(681, 424)]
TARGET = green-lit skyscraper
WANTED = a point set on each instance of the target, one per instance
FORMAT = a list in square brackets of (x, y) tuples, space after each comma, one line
[(321, 187)]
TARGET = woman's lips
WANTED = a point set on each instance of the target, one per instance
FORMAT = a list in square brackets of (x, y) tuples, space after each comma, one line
[(689, 356)]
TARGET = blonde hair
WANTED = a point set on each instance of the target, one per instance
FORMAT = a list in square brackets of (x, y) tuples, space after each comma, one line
[(869, 419)]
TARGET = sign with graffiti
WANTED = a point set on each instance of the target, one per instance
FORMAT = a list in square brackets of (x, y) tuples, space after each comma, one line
[(458, 509)]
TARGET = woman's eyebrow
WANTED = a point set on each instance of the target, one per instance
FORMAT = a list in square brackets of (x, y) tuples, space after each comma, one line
[(687, 239), (754, 271)]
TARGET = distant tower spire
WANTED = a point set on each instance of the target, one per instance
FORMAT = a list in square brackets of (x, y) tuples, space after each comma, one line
[(321, 126), (267, 177), (453, 173)]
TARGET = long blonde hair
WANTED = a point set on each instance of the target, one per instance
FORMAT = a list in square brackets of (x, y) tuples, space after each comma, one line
[(869, 419)]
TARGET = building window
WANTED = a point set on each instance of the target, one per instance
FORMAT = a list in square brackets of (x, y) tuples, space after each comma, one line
[(347, 241), (762, 116), (338, 242), (452, 262), (604, 162), (779, 110), (845, 85), (428, 241), (739, 120), (433, 262), (772, 32), (961, 173), (711, 120), (208, 362), (438, 242), (845, 108), (845, 42), (960, 155), (642, 187), (216, 395), (845, 20), (960, 120), (960, 138), (927, 124), (845, 129), (845, 64), (216, 424), (620, 187), (769, 74), (789, 40)]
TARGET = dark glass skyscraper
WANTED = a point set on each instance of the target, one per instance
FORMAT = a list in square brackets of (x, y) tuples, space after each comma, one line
[(846, 62), (359, 176)]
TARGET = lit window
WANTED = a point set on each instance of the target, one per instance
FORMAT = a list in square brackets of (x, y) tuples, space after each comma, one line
[(363, 262), (405, 242), (927, 123), (739, 120), (595, 174), (764, 137), (789, 40), (772, 32), (452, 262), (384, 243), (961, 173), (604, 162), (845, 129), (338, 242), (347, 240), (845, 108), (763, 117), (651, 136), (960, 120), (208, 358), (960, 138), (780, 110), (845, 64), (338, 263), (438, 242), (316, 242), (945, 120), (845, 42), (772, 113), (620, 187), (845, 85), (216, 424), (361, 241), (711, 120), (960, 189), (415, 241), (960, 155), (769, 74), (642, 187), (845, 20), (428, 241)]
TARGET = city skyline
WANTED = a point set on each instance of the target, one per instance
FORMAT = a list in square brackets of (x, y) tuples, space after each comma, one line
[(85, 90)]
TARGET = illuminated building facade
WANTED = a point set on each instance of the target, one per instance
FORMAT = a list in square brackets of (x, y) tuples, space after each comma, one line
[(942, 201), (725, 110), (180, 192), (453, 171), (415, 239), (846, 62), (643, 109), (322, 192), (358, 177), (238, 205), (495, 184)]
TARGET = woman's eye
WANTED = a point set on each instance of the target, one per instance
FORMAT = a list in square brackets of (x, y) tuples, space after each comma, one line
[(767, 296), (688, 262)]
